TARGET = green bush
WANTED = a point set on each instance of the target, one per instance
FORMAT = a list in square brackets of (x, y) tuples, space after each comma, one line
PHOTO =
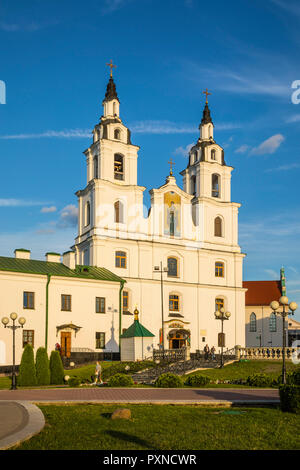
[(27, 374), (197, 380), (169, 380), (295, 377), (259, 380), (120, 368), (42, 367), (120, 380), (74, 381), (290, 398), (56, 369)]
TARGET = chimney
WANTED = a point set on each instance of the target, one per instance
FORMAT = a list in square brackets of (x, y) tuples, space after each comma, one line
[(21, 253), (53, 257), (69, 259)]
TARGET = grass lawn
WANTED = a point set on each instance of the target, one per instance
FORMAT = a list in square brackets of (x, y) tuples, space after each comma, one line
[(241, 370), (165, 427)]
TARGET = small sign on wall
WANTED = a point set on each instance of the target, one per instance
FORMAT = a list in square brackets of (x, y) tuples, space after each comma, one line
[(221, 340)]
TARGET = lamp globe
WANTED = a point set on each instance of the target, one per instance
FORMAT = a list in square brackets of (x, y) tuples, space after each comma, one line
[(5, 320), (293, 306), (274, 305), (284, 300), (13, 316)]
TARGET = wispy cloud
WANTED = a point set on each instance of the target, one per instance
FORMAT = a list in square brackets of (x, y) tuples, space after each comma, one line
[(183, 151), (25, 26), (294, 118), (269, 146), (68, 217), (20, 203), (65, 134), (242, 149), (168, 127), (110, 6), (46, 210), (241, 79), (291, 166)]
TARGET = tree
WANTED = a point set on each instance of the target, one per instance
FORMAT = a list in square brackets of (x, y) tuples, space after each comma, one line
[(56, 369), (42, 367), (27, 374)]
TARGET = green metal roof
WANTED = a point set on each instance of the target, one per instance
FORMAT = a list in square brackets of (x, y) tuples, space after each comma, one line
[(31, 266), (136, 330)]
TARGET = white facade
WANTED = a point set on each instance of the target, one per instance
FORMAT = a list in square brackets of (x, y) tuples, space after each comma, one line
[(197, 226)]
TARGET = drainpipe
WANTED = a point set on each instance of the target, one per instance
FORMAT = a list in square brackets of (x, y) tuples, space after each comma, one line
[(120, 314), (47, 305)]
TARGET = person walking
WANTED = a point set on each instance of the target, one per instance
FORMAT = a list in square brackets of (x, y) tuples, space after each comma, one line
[(213, 353), (206, 351), (98, 371)]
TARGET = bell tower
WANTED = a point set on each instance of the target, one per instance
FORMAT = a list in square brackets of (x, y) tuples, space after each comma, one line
[(207, 174), (111, 162)]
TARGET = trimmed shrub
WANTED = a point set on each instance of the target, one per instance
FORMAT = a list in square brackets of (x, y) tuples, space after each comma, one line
[(295, 377), (27, 374), (42, 367), (290, 398), (74, 381), (197, 380), (259, 380), (56, 369), (120, 380), (169, 380)]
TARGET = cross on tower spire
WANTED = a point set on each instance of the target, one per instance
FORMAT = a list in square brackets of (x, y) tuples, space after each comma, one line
[(206, 93), (171, 163), (111, 65)]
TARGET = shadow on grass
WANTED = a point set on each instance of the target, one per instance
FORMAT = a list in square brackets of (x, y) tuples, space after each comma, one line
[(128, 438), (106, 415)]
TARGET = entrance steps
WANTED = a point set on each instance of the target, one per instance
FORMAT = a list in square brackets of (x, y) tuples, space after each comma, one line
[(148, 376)]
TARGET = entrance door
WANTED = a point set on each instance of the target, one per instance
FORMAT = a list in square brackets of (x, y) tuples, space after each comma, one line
[(65, 341), (177, 342)]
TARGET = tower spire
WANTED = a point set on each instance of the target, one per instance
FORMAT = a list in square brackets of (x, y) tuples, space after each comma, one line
[(111, 91)]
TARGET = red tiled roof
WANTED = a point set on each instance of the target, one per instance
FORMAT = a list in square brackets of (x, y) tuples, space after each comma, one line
[(262, 292)]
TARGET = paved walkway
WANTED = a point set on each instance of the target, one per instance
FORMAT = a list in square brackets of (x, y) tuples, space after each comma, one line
[(20, 419), (142, 395)]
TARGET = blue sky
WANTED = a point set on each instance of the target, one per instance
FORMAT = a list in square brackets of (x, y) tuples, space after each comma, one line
[(52, 60)]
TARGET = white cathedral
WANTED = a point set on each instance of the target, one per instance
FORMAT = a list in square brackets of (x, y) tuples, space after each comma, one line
[(177, 264)]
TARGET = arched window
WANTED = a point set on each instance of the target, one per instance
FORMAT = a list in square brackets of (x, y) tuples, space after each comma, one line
[(87, 213), (215, 185), (219, 269), (96, 167), (121, 261), (172, 267), (118, 206), (117, 134), (219, 303), (218, 227), (193, 185), (273, 323), (174, 303), (119, 167), (213, 155), (252, 322)]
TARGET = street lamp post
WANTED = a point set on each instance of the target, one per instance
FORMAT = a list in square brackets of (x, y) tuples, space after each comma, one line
[(161, 270), (284, 303), (222, 315), (13, 327)]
